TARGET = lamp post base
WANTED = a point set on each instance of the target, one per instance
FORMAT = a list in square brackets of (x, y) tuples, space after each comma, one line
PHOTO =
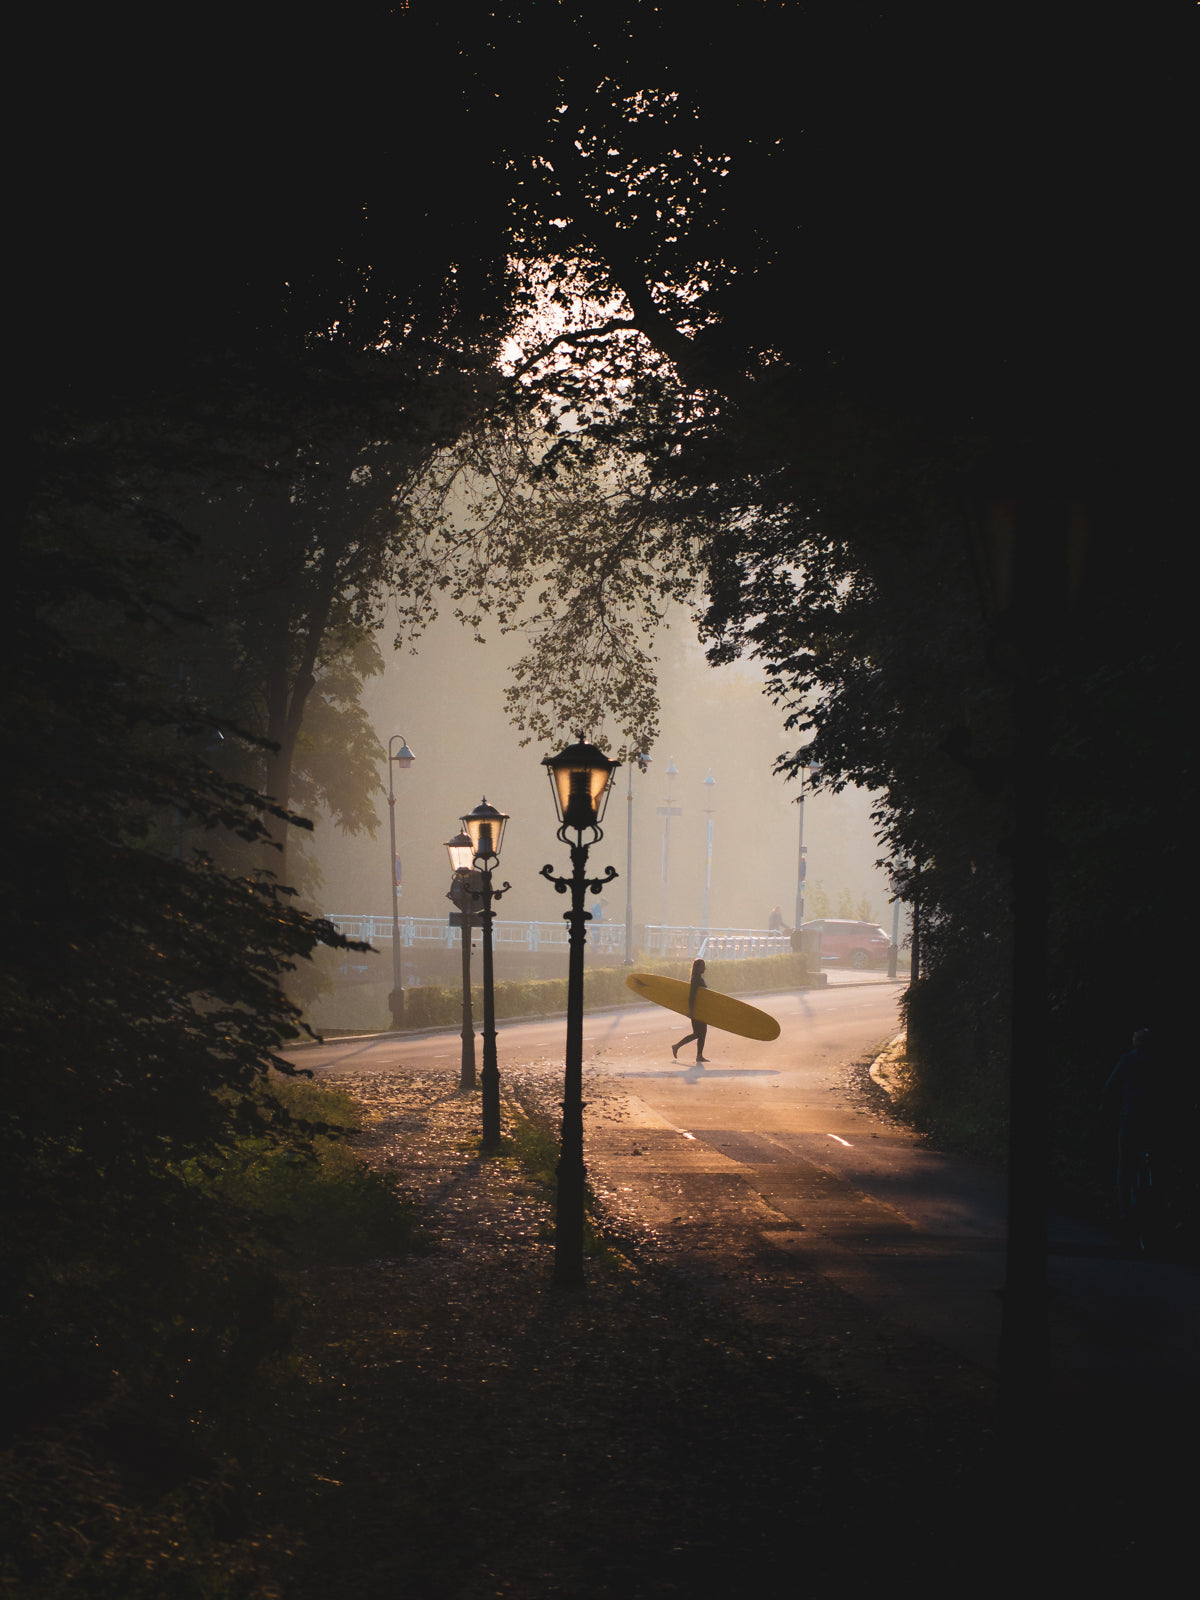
[(396, 1007)]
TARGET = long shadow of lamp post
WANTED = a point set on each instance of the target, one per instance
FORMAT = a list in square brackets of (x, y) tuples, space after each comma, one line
[(580, 778), (485, 828), (466, 892), (401, 758)]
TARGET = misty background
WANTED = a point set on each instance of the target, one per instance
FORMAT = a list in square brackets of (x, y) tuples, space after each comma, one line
[(446, 699)]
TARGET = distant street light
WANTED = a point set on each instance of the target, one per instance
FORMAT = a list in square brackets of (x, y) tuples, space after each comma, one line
[(581, 777), (403, 758), (710, 784), (808, 771), (642, 762), (485, 828), (666, 813), (466, 889)]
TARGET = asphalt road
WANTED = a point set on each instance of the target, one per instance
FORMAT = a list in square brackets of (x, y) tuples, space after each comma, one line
[(768, 1144)]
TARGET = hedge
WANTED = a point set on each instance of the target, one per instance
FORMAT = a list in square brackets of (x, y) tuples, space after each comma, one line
[(433, 1006)]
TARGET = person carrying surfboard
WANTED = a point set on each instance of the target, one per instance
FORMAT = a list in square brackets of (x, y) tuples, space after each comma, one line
[(699, 1029)]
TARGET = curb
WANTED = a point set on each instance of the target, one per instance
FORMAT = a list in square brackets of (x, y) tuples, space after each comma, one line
[(889, 1069)]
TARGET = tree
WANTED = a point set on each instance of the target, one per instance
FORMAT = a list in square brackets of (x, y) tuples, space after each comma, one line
[(136, 1042)]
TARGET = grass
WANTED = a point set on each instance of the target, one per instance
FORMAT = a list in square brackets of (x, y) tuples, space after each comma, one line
[(137, 1492), (533, 1143), (321, 1202)]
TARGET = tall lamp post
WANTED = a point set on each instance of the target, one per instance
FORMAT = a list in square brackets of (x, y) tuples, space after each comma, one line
[(808, 771), (465, 892), (580, 777), (485, 828), (642, 761), (666, 813), (710, 784), (403, 758)]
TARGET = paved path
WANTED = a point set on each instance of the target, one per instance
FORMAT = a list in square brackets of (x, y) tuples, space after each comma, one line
[(769, 1149)]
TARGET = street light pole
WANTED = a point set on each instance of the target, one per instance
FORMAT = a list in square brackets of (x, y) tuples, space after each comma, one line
[(466, 893), (403, 758), (643, 761), (581, 777), (666, 813), (710, 784), (485, 827), (807, 769)]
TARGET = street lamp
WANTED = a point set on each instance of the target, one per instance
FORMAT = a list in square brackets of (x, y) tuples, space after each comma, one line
[(710, 784), (403, 758), (581, 777), (485, 828), (465, 892), (808, 770), (666, 813), (642, 762)]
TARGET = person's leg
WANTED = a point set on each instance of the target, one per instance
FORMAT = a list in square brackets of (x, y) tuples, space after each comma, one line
[(700, 1035), (676, 1048)]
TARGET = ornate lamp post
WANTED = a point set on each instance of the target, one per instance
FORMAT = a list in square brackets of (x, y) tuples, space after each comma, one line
[(710, 784), (807, 771), (401, 758), (485, 828), (466, 893), (642, 762), (580, 777)]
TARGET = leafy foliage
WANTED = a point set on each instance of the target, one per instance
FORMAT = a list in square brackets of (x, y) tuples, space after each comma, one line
[(142, 1005)]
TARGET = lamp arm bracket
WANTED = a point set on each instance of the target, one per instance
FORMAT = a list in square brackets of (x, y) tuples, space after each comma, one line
[(596, 885), (560, 884)]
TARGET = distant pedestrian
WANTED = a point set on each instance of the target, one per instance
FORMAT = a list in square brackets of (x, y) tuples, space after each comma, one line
[(775, 922), (699, 1029)]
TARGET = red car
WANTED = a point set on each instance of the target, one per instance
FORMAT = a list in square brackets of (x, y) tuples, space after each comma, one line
[(850, 944)]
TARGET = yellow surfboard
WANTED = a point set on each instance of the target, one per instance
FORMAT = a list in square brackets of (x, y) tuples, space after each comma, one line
[(718, 1010)]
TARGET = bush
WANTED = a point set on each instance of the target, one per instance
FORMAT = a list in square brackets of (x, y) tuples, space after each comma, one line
[(433, 1006), (135, 1360)]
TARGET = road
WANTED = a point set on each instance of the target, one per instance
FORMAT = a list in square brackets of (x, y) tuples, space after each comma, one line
[(768, 1145)]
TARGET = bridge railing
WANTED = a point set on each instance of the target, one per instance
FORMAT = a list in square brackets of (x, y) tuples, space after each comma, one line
[(607, 938), (730, 943)]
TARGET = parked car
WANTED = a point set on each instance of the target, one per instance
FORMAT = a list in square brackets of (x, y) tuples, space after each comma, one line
[(850, 944)]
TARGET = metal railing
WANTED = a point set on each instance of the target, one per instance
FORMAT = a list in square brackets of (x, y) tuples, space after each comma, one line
[(605, 937), (727, 943)]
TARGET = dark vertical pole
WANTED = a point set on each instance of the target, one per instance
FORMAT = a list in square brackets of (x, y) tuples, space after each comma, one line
[(799, 913), (629, 873), (396, 998), (572, 1178), (467, 1076), (915, 941), (491, 1071)]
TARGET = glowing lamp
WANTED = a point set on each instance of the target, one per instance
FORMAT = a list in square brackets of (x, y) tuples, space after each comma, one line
[(461, 852), (581, 777), (485, 828)]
